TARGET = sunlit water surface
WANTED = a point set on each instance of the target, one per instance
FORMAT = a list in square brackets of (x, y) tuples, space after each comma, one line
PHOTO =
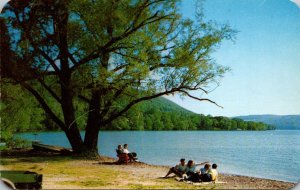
[(264, 154)]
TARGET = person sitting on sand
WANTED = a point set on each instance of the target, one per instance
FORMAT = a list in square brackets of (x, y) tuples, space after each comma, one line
[(205, 169), (178, 170), (132, 155), (211, 175), (197, 176), (191, 168), (213, 172)]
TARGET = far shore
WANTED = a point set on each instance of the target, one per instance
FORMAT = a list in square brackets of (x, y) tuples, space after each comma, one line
[(65, 172)]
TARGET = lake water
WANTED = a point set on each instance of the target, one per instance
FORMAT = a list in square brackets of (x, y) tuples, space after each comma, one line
[(264, 154)]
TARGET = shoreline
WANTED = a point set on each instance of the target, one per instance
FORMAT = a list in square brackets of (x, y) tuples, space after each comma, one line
[(239, 175), (228, 174), (232, 174), (65, 172)]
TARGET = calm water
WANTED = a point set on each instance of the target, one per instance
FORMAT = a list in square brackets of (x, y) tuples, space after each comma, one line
[(265, 154)]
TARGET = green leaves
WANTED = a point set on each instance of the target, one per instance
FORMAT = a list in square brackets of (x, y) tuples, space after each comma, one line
[(125, 51), (19, 111)]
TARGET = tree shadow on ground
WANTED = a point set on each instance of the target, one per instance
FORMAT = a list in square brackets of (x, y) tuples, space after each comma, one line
[(108, 163), (118, 163)]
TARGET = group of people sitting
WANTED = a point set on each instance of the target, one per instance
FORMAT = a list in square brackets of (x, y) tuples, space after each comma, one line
[(188, 171), (124, 150), (184, 171)]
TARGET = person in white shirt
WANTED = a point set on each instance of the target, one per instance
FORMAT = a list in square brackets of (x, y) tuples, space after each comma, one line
[(125, 149), (213, 172), (132, 155), (178, 170)]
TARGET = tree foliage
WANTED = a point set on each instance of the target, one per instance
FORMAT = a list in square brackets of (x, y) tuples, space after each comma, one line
[(111, 55), (158, 114)]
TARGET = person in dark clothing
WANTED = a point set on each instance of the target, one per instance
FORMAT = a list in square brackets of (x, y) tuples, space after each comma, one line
[(178, 170), (210, 175), (197, 176), (205, 169), (119, 150)]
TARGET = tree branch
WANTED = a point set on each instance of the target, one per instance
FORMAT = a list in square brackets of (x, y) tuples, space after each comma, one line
[(52, 63), (85, 99), (90, 57), (200, 99), (127, 33), (54, 95), (115, 115), (108, 105), (44, 105)]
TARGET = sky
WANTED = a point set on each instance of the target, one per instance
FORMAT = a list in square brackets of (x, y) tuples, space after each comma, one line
[(264, 59)]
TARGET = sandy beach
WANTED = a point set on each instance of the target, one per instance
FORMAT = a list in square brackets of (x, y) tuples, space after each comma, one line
[(64, 172)]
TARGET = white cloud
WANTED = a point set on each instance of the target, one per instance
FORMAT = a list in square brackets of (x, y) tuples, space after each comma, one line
[(297, 2), (2, 3)]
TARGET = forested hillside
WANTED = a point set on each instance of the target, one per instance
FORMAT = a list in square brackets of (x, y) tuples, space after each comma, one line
[(282, 122), (20, 113), (162, 114)]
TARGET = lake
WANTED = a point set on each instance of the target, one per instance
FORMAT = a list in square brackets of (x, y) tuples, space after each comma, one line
[(264, 154)]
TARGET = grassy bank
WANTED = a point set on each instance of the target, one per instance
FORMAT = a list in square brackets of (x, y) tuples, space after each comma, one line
[(61, 172), (69, 173)]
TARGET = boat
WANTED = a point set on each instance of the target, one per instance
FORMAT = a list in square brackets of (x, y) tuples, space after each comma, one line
[(49, 148)]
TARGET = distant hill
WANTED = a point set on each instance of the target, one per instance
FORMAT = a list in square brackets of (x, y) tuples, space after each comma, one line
[(282, 122), (163, 114), (164, 105)]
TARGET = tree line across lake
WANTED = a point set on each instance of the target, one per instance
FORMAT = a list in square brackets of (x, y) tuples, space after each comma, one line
[(20, 113), (162, 114)]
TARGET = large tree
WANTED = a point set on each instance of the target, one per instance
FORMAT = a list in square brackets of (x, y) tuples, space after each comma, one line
[(110, 54)]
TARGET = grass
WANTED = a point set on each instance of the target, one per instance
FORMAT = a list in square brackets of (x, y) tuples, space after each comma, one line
[(86, 183), (67, 172)]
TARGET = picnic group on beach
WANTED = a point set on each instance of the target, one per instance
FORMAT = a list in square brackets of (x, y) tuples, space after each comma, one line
[(188, 171)]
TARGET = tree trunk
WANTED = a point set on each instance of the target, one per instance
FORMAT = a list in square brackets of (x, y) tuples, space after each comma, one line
[(92, 128), (94, 117), (71, 130)]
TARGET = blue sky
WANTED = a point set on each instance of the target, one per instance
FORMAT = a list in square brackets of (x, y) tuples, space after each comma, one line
[(265, 58)]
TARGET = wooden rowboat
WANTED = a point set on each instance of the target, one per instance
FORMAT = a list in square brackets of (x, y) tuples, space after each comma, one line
[(49, 148)]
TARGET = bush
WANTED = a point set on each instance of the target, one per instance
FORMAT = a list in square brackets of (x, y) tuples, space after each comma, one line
[(17, 143)]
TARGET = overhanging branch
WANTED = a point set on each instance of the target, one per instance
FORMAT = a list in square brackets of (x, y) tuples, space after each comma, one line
[(35, 46), (134, 102), (115, 115), (200, 99), (54, 95), (44, 105)]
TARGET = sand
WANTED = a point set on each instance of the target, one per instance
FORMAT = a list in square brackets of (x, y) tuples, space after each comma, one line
[(65, 172)]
